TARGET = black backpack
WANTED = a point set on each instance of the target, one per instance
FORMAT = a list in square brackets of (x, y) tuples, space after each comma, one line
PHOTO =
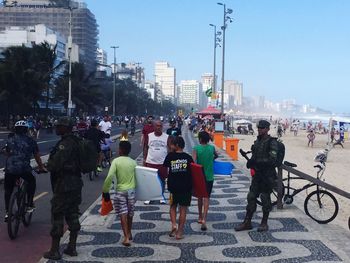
[(280, 152), (87, 155)]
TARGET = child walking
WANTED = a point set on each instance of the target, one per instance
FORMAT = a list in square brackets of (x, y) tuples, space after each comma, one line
[(204, 154), (123, 171), (179, 184)]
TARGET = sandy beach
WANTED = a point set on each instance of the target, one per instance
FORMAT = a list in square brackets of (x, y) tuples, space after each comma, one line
[(337, 166)]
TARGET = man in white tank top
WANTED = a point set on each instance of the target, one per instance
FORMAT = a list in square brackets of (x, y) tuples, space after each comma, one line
[(157, 151)]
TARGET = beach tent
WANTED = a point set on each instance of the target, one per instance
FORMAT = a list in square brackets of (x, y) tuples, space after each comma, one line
[(343, 122), (242, 122), (210, 110)]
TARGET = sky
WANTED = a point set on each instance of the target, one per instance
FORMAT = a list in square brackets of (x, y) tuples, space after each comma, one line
[(290, 49)]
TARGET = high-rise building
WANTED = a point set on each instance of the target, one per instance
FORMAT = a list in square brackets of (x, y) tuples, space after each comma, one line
[(28, 36), (189, 92), (233, 93), (25, 13), (165, 77)]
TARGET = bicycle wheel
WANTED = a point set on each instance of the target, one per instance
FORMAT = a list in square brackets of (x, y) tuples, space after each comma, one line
[(27, 216), (273, 197), (14, 214), (321, 206)]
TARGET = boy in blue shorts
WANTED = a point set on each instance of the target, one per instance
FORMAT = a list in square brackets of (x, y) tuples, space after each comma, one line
[(123, 171), (179, 184)]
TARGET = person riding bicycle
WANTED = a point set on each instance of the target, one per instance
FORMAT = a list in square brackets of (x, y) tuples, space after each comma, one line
[(263, 161), (173, 130), (97, 136), (106, 146), (19, 149)]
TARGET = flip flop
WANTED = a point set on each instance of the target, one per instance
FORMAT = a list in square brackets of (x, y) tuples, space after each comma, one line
[(200, 221), (172, 232), (127, 244)]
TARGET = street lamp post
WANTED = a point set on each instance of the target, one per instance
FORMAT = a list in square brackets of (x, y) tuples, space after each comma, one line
[(226, 18), (114, 76), (70, 103), (216, 43)]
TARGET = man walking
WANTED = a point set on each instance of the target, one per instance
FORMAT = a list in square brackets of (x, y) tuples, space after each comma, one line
[(157, 150), (66, 185), (263, 161)]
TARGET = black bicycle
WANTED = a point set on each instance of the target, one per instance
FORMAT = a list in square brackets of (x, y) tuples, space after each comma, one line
[(320, 204), (18, 205)]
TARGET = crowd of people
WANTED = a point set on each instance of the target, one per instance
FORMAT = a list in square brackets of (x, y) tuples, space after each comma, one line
[(161, 150)]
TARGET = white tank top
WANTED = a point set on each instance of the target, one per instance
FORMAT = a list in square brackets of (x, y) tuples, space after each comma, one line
[(157, 148)]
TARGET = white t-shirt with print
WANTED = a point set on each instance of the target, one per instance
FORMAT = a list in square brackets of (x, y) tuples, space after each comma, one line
[(157, 148), (105, 126)]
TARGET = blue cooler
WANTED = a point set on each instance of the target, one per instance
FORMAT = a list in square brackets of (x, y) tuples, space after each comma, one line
[(223, 168)]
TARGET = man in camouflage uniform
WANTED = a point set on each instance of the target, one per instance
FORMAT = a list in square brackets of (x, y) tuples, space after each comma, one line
[(66, 185), (263, 161)]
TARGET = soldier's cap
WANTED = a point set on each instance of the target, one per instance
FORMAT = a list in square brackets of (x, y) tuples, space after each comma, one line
[(65, 121), (262, 124)]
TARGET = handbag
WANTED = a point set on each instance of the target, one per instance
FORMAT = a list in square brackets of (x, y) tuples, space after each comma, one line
[(106, 207)]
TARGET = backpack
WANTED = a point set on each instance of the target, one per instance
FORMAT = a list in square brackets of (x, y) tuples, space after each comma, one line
[(280, 152), (87, 155)]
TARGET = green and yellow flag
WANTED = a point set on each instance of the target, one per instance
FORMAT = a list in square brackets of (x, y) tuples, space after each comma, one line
[(209, 92)]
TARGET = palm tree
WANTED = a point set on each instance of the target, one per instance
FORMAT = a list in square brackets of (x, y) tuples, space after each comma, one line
[(85, 94)]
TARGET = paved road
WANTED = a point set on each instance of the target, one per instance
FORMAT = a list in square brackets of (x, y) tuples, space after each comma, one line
[(33, 241)]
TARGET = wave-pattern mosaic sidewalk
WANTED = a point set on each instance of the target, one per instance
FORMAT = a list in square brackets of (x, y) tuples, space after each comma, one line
[(292, 236)]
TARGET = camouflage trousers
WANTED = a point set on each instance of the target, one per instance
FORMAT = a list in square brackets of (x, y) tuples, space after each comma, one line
[(261, 186), (65, 206)]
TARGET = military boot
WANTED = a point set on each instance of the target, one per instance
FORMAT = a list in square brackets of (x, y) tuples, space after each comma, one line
[(71, 249), (247, 223), (54, 252), (263, 225)]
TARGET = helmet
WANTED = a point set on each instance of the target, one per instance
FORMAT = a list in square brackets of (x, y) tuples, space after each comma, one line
[(21, 123)]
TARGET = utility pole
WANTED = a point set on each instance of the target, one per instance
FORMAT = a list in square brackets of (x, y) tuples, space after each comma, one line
[(114, 76), (70, 103)]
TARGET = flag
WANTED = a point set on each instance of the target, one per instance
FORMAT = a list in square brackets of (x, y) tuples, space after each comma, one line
[(209, 92)]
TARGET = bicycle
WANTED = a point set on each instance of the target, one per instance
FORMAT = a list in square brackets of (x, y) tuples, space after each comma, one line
[(18, 207), (320, 204), (106, 161)]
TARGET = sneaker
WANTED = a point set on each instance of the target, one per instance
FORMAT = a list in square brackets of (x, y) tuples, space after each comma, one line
[(99, 169), (6, 217), (147, 202), (163, 202), (30, 209)]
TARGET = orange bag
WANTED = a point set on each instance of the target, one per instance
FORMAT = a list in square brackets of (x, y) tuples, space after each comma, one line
[(106, 207)]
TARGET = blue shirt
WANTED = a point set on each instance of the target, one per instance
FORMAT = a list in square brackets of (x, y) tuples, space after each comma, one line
[(20, 149)]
